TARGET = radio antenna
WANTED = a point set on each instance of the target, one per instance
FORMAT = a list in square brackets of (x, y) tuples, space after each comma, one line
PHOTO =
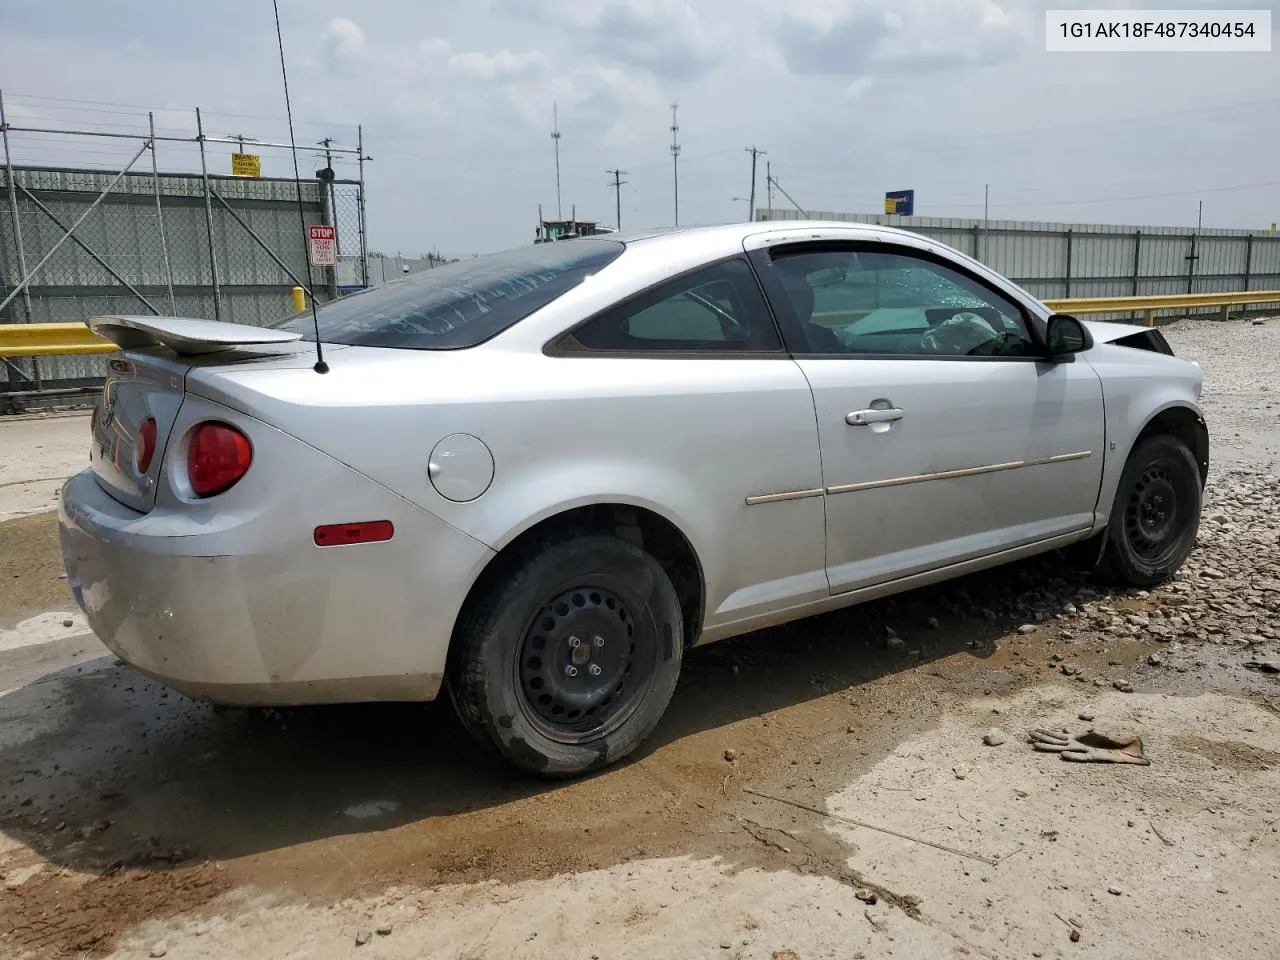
[(320, 365)]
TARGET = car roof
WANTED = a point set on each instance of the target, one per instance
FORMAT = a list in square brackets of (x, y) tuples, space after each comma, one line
[(740, 231)]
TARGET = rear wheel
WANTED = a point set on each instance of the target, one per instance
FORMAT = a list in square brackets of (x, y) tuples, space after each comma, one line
[(566, 660), (1156, 513)]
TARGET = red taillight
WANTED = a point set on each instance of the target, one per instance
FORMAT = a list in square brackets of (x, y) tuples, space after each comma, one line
[(217, 457), (371, 531), (146, 444)]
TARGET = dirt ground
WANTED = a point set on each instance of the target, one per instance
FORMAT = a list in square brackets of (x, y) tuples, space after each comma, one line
[(819, 790), (46, 449)]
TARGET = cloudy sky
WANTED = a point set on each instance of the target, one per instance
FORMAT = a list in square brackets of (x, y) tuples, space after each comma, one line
[(849, 98)]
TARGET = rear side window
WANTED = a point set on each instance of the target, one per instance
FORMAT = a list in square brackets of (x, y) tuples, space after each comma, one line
[(460, 304), (715, 310)]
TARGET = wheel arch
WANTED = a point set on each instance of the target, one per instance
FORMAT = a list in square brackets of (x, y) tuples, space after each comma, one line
[(647, 528), (1184, 423)]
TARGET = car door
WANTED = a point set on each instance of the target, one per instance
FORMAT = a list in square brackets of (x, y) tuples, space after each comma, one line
[(944, 434), (683, 395)]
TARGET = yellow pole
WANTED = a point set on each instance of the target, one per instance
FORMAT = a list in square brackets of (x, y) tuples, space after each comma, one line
[(299, 300)]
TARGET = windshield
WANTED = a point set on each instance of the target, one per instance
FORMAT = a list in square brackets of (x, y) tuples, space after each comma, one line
[(460, 304)]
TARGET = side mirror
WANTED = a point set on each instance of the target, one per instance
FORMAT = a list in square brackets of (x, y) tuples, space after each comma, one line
[(1067, 337)]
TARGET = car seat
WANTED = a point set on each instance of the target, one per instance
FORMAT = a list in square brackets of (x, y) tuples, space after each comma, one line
[(821, 339)]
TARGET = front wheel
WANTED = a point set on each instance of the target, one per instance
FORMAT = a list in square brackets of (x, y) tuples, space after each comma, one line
[(1156, 513), (566, 660)]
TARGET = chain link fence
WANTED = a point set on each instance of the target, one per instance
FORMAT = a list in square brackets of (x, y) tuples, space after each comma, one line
[(81, 242)]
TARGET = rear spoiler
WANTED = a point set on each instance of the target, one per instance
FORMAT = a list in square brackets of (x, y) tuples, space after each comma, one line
[(185, 336)]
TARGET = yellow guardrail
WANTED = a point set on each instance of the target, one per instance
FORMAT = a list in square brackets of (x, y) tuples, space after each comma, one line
[(72, 339), (50, 340), (1150, 306), (67, 339)]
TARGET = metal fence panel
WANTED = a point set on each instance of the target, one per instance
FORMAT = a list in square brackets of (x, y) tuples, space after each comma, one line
[(1059, 260), (1163, 256), (1266, 259)]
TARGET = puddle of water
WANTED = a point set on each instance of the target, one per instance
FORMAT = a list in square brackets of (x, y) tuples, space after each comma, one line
[(372, 808)]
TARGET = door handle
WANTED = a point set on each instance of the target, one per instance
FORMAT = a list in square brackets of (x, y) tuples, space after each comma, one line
[(863, 418)]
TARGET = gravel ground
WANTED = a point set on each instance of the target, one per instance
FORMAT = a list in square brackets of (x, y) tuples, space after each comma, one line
[(136, 823), (1241, 363)]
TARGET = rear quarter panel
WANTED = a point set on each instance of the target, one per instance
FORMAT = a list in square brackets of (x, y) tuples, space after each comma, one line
[(689, 439)]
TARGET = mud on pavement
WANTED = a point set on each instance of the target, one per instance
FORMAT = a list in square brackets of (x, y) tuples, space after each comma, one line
[(137, 822)]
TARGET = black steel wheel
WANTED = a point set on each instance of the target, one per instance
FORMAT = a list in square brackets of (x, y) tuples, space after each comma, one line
[(566, 658), (583, 666), (1156, 513)]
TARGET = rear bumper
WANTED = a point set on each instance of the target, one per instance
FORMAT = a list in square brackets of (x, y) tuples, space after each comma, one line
[(252, 612)]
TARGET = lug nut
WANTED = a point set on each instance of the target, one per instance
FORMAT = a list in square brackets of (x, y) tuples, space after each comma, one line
[(595, 669), (575, 642), (571, 671), (598, 641)]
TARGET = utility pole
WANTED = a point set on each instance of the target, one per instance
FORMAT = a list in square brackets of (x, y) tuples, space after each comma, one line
[(675, 162), (327, 143), (555, 138), (754, 154), (986, 209), (329, 212), (617, 193), (1194, 255), (768, 182)]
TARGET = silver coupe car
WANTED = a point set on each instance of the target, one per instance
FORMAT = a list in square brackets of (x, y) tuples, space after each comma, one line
[(534, 479)]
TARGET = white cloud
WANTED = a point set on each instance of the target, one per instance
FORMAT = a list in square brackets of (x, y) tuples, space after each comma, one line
[(345, 45), (669, 37), (847, 36), (504, 63), (859, 86), (600, 98), (435, 48)]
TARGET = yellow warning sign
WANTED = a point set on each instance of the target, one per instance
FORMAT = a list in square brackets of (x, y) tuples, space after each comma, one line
[(246, 165)]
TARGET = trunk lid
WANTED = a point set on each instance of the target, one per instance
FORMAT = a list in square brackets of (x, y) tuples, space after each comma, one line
[(148, 382), (138, 388)]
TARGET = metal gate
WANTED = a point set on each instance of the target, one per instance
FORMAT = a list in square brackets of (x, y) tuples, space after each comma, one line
[(79, 242)]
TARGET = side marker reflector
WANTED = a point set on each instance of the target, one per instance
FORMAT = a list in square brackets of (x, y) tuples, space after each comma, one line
[(336, 534)]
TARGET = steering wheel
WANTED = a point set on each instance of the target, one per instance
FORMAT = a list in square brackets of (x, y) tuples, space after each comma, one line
[(931, 342)]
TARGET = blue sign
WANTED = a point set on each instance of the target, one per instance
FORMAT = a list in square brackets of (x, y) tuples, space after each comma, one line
[(902, 202)]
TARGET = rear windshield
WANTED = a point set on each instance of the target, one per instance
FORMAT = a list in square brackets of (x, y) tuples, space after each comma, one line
[(459, 304)]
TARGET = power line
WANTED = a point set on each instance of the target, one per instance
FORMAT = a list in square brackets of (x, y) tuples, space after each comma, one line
[(687, 158), (1036, 134), (1152, 196), (788, 196), (144, 107), (1076, 201)]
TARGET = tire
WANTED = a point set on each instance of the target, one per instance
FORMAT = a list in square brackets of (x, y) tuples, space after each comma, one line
[(1156, 513), (589, 604)]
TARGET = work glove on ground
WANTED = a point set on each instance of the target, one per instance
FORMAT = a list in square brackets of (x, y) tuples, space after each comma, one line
[(1092, 747)]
